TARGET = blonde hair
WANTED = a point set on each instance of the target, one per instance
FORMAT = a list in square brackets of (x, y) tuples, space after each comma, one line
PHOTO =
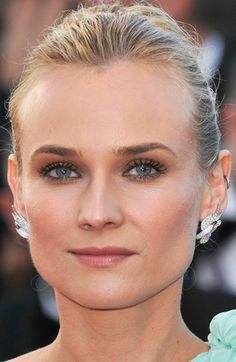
[(99, 34)]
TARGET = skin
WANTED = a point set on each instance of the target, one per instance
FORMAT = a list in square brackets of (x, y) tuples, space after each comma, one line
[(129, 311)]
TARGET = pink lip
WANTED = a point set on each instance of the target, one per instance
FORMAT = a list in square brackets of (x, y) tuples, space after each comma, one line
[(101, 257)]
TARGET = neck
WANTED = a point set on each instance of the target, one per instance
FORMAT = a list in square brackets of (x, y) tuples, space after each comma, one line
[(149, 331)]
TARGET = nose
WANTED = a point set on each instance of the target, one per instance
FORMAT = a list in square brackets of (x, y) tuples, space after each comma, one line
[(99, 207)]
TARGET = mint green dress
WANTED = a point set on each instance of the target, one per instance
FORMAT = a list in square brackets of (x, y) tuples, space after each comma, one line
[(221, 340)]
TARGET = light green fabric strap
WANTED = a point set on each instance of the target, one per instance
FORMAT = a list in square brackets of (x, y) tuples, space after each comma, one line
[(221, 340)]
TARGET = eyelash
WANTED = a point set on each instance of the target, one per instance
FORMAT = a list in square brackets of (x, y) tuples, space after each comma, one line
[(156, 166)]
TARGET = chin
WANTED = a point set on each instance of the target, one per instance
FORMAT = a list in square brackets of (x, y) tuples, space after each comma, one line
[(105, 299), (110, 299)]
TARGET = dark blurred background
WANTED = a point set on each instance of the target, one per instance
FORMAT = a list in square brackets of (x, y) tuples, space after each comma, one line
[(28, 316)]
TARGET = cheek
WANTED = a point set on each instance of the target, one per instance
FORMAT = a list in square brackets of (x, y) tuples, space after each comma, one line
[(52, 228), (168, 224), (52, 219), (167, 214)]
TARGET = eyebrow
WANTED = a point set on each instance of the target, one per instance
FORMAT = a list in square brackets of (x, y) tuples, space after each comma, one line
[(141, 148), (121, 151), (55, 150)]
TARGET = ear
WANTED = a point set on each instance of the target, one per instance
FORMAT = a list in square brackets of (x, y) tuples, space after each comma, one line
[(215, 189), (14, 182)]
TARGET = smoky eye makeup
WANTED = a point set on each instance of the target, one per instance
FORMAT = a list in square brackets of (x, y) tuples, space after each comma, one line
[(144, 169), (60, 171), (140, 169)]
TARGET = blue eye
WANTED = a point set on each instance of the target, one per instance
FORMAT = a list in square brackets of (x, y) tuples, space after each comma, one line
[(140, 170), (60, 171), (144, 170)]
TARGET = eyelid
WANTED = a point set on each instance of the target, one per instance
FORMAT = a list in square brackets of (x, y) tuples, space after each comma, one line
[(144, 161), (131, 164), (44, 171)]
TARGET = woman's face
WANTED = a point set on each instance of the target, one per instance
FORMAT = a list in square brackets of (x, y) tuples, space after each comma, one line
[(109, 161)]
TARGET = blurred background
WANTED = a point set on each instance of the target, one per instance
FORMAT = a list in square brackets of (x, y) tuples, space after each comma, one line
[(28, 316)]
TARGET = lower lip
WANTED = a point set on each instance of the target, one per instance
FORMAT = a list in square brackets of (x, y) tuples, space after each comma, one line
[(101, 260)]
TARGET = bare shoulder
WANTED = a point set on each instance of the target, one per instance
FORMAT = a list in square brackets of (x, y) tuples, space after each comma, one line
[(39, 355)]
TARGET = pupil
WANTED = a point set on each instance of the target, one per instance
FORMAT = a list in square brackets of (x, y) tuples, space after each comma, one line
[(63, 172), (144, 169)]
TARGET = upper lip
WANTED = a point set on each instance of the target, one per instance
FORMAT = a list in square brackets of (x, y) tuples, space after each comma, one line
[(108, 250)]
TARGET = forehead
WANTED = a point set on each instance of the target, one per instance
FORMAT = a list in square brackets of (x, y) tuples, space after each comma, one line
[(122, 103)]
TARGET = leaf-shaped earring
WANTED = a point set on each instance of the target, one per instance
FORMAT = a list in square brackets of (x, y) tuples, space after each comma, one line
[(22, 226), (209, 224)]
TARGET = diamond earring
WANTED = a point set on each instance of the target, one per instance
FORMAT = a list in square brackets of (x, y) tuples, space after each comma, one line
[(22, 226), (209, 224)]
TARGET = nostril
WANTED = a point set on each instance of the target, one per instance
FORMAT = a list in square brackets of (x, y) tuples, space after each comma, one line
[(109, 223), (87, 226), (98, 226)]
